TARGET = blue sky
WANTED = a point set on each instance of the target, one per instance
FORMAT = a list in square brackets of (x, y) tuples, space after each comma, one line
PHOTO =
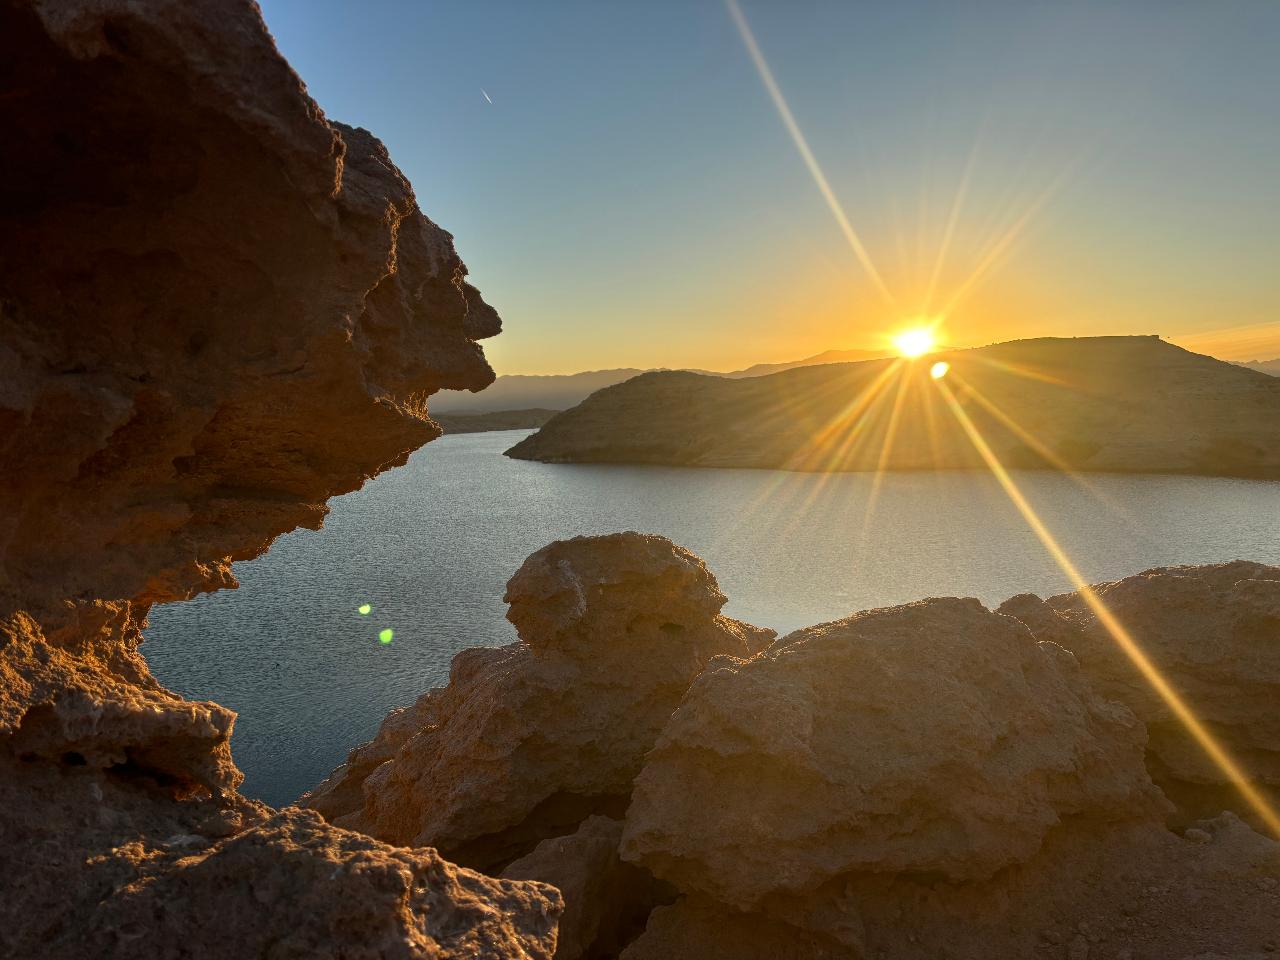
[(631, 197)]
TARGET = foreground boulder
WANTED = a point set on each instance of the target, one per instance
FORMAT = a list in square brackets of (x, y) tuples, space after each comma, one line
[(529, 739), (217, 310), (928, 781), (1214, 633), (934, 738)]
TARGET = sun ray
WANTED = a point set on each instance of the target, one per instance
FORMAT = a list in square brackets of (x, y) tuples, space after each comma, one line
[(1150, 672), (886, 450), (1047, 453), (802, 145), (1022, 370)]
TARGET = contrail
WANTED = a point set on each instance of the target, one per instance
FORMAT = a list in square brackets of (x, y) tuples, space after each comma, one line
[(789, 121), (486, 96)]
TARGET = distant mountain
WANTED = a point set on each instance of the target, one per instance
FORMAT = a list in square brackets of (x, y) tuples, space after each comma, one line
[(562, 391), (496, 420), (524, 392), (1130, 404), (829, 356), (1270, 367)]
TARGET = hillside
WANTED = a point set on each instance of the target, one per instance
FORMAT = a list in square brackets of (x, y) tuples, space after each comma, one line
[(1126, 404)]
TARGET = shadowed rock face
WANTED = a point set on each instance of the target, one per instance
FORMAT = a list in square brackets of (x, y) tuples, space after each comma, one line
[(217, 310), (528, 739), (1214, 632), (607, 901)]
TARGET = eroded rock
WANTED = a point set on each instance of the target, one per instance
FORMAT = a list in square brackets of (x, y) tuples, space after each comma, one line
[(1214, 634), (935, 737), (298, 887), (217, 310), (529, 739)]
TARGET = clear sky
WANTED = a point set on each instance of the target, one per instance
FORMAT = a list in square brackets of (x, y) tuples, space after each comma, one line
[(632, 197)]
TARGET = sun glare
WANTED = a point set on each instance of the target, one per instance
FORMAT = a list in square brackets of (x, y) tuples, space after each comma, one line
[(939, 369), (915, 342)]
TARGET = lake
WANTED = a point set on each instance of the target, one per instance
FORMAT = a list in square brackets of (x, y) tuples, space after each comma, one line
[(431, 545)]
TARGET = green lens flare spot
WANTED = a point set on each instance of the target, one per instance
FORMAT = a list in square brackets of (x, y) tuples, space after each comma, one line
[(385, 636), (365, 609)]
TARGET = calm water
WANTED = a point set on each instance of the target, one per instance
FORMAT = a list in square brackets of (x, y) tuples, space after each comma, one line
[(431, 546)]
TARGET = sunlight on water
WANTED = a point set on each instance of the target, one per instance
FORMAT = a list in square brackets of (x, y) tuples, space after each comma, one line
[(431, 546)]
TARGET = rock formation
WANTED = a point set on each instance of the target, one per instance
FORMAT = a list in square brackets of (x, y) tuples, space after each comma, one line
[(528, 739), (935, 738), (1214, 632), (1126, 404), (217, 310), (928, 780)]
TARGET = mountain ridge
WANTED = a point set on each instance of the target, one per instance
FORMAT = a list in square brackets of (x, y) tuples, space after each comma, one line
[(1107, 404)]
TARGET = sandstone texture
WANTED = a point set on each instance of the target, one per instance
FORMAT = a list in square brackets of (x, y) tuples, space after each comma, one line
[(529, 739), (217, 310), (1214, 633), (1125, 404), (934, 738)]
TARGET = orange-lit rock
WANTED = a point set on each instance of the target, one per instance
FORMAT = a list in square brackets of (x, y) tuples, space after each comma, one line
[(1214, 633), (529, 739), (933, 738)]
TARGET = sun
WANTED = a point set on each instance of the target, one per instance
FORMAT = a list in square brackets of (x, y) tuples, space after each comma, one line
[(915, 342)]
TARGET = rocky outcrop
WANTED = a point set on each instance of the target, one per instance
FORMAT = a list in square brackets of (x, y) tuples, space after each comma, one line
[(935, 738), (120, 875), (1126, 404), (928, 780), (1214, 633), (217, 310), (529, 739), (198, 271), (606, 900)]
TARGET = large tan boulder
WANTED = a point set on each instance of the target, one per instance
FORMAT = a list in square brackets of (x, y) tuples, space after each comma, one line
[(933, 738), (529, 739), (1213, 632)]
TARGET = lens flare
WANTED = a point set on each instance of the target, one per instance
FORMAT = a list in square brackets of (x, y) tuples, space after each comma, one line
[(384, 636), (939, 369), (364, 609)]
